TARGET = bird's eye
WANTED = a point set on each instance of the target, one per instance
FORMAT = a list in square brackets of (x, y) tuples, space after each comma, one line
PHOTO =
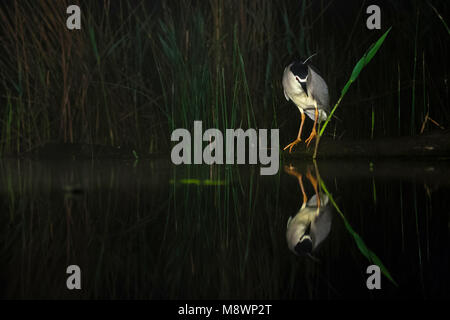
[(298, 80)]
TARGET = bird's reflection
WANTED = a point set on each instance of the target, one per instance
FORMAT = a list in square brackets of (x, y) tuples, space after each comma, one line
[(312, 223)]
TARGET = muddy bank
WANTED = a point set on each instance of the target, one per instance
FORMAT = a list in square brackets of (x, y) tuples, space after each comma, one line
[(434, 144)]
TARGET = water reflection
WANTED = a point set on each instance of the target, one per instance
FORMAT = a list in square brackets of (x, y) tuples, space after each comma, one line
[(312, 223), (151, 230)]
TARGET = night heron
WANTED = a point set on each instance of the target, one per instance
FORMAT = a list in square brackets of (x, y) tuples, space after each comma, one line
[(303, 85), (312, 223)]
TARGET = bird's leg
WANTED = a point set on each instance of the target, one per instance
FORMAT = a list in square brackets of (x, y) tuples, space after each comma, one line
[(313, 131), (300, 181), (293, 143), (314, 184), (291, 170)]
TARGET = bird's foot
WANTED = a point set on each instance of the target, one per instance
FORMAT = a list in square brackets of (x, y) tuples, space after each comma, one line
[(311, 136), (290, 169), (292, 144)]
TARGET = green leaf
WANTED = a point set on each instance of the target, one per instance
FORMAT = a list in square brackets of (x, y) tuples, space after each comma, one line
[(357, 69), (440, 17), (355, 73), (198, 182), (344, 90), (94, 44), (370, 255), (373, 50)]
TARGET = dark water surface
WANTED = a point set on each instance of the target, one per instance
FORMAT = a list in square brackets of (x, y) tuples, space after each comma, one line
[(149, 229)]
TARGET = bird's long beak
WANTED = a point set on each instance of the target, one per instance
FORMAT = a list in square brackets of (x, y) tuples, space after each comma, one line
[(309, 255), (304, 87), (308, 229)]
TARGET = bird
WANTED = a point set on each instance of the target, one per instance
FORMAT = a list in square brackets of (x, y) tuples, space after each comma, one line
[(310, 226), (303, 84), (312, 223)]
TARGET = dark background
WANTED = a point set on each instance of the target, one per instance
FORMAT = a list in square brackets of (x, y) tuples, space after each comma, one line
[(138, 69)]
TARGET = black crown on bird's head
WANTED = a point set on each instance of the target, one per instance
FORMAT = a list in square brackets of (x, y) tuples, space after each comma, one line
[(300, 69), (304, 246)]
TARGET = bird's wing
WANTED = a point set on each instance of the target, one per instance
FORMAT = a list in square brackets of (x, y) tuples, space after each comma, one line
[(284, 80), (285, 95), (289, 221), (321, 225), (312, 202), (318, 90), (310, 112)]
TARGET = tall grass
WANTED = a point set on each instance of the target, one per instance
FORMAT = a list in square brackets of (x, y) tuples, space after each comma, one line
[(399, 115), (413, 98), (136, 70), (368, 56), (354, 75)]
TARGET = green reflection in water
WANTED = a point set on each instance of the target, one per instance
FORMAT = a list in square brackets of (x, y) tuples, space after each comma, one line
[(199, 182), (369, 254)]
